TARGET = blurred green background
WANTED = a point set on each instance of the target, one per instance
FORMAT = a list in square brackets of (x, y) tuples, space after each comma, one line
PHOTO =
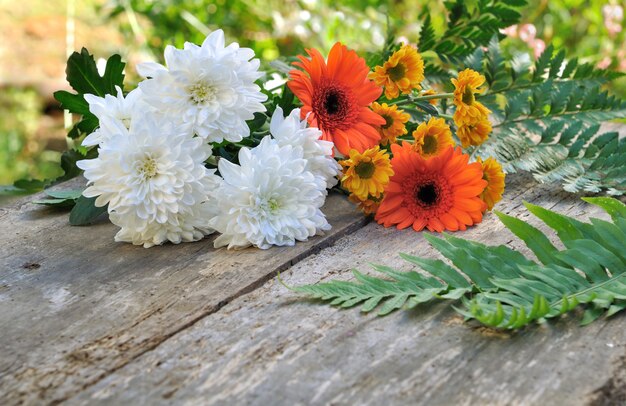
[(37, 36)]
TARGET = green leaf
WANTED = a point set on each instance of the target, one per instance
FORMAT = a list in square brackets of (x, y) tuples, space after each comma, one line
[(61, 198), (75, 103), (31, 185), (10, 190), (286, 101), (539, 244), (85, 211), (61, 203), (113, 74), (613, 207), (82, 74), (391, 293)]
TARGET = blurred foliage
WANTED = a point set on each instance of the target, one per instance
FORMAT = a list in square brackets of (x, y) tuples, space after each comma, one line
[(592, 30), (276, 28), (588, 29), (21, 156)]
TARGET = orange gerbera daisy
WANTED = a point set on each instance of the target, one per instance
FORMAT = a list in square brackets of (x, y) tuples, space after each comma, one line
[(366, 174), (367, 206), (394, 122), (337, 95), (440, 193), (466, 86), (493, 174), (433, 137), (474, 133), (403, 72)]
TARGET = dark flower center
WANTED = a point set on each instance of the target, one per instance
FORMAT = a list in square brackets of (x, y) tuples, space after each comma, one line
[(333, 102), (430, 145), (427, 194), (468, 96), (365, 170), (397, 72), (333, 106), (388, 122)]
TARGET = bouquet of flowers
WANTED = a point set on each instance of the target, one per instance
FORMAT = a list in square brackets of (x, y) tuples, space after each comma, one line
[(177, 158), (417, 135)]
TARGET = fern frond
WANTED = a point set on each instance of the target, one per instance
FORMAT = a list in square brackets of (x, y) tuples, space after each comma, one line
[(469, 26), (392, 293), (544, 120), (500, 287)]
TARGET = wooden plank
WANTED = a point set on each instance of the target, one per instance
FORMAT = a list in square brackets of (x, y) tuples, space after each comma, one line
[(272, 347), (75, 305)]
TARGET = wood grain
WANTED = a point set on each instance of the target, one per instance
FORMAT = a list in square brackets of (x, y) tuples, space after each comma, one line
[(272, 347), (75, 305), (85, 320)]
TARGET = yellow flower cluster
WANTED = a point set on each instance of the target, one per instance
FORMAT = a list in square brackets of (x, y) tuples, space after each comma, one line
[(471, 116), (368, 174)]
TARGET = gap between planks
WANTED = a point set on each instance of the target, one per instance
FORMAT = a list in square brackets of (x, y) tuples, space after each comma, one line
[(41, 374), (272, 347)]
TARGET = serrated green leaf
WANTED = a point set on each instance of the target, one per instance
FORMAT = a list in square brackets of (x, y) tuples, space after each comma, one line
[(75, 103)]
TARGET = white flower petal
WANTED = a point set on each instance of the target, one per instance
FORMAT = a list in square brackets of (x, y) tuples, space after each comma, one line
[(270, 198), (155, 184), (209, 88)]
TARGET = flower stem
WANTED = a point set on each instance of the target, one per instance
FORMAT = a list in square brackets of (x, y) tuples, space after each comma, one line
[(411, 100), (434, 96)]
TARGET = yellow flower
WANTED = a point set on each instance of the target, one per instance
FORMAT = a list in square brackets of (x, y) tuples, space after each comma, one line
[(432, 138), (403, 72), (466, 86), (493, 174), (394, 122), (367, 173), (430, 92), (367, 206), (474, 133)]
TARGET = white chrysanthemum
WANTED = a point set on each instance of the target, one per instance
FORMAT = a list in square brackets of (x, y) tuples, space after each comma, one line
[(268, 199), (210, 88), (291, 130), (113, 108), (153, 178)]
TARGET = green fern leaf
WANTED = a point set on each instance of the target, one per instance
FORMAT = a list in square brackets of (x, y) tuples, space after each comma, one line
[(545, 120), (391, 293), (499, 287), (469, 27)]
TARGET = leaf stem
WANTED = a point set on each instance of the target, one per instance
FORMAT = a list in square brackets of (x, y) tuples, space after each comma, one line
[(589, 289)]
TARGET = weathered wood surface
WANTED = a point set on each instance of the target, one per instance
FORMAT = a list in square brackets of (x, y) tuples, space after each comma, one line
[(272, 347), (190, 324), (75, 305)]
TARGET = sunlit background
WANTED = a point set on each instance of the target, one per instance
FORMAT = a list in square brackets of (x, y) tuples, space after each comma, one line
[(37, 36)]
